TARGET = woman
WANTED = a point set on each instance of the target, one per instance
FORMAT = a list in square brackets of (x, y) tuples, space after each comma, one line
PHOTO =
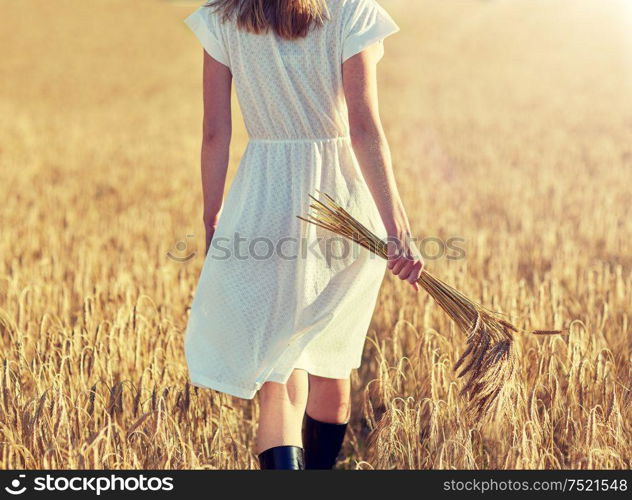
[(282, 308)]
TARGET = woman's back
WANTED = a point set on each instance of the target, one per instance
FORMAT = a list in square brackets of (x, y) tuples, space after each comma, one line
[(292, 89)]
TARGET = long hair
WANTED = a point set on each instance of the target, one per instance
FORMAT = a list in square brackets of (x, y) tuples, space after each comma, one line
[(289, 19)]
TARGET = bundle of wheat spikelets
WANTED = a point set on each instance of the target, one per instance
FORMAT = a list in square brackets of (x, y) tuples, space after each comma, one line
[(488, 363)]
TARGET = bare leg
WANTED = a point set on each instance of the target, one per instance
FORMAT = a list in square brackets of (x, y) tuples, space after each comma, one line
[(329, 399), (282, 407)]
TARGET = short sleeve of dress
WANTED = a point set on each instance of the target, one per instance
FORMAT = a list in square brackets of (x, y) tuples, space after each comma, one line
[(205, 25), (367, 24)]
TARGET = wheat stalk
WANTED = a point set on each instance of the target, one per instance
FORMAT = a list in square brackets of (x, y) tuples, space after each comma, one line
[(488, 362)]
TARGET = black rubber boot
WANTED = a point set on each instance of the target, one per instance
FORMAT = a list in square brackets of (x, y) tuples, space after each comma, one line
[(322, 442), (282, 458)]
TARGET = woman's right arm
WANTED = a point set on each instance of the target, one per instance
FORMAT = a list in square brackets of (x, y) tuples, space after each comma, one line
[(216, 134), (373, 153)]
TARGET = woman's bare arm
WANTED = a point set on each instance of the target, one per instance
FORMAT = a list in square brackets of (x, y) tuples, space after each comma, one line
[(216, 134), (374, 156)]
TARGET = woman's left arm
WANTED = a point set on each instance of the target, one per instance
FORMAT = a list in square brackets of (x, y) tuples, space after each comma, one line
[(216, 134)]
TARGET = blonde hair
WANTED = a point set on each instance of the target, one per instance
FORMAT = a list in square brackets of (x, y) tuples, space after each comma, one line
[(289, 19)]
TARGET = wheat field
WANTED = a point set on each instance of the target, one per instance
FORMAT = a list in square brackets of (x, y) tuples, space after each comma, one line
[(511, 128)]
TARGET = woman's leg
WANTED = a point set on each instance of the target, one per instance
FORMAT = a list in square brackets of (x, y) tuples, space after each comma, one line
[(328, 411), (329, 399), (282, 407)]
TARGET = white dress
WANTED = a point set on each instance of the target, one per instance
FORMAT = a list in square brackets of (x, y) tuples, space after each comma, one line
[(276, 293)]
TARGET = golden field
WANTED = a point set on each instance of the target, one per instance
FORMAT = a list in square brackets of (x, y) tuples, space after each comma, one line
[(511, 127)]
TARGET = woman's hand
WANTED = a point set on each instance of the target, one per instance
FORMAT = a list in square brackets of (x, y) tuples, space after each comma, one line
[(210, 223), (404, 258), (211, 219), (210, 230)]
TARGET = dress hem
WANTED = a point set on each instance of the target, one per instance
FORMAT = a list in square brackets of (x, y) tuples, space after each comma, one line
[(205, 382), (209, 383)]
